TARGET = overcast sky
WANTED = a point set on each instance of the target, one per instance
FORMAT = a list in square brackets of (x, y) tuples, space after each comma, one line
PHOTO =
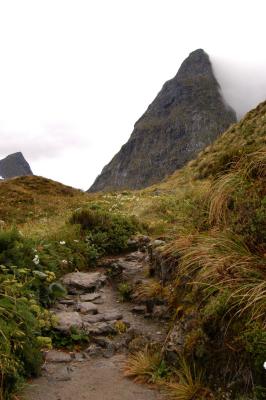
[(76, 74)]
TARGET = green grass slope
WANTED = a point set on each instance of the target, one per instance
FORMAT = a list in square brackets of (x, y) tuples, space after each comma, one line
[(213, 214)]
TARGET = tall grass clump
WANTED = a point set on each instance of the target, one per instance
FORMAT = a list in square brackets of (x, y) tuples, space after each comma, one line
[(188, 384), (146, 366)]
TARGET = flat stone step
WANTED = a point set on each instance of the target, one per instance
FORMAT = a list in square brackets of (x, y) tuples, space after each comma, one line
[(55, 356), (85, 281), (99, 328), (104, 317), (90, 296), (112, 315), (93, 319), (67, 320), (86, 307), (67, 302)]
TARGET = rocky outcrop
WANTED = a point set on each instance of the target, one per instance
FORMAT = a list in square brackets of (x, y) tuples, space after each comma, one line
[(187, 115), (14, 165)]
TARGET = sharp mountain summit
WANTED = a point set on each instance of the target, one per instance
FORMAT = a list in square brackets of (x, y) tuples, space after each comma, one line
[(188, 114)]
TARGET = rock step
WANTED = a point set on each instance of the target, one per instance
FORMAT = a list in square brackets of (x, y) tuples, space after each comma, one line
[(90, 296), (86, 308), (67, 320), (94, 324), (57, 356), (100, 328), (80, 282), (107, 316)]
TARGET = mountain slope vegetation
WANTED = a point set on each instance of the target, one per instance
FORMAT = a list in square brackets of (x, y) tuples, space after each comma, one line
[(212, 216), (215, 220)]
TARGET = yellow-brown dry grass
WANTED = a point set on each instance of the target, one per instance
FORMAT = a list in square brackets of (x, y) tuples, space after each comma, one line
[(223, 260), (38, 205), (189, 385), (152, 289), (142, 365), (220, 194)]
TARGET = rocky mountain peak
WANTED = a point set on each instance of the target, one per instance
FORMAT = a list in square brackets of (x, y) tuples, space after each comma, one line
[(188, 114), (197, 63), (14, 165)]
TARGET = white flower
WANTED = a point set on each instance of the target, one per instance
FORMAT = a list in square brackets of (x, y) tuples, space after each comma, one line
[(36, 259), (64, 262), (264, 365), (62, 242), (76, 241)]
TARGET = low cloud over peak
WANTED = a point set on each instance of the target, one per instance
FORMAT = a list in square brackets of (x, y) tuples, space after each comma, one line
[(243, 82)]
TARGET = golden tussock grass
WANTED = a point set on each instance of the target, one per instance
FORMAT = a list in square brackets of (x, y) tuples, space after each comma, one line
[(221, 261), (151, 289), (189, 384), (141, 366)]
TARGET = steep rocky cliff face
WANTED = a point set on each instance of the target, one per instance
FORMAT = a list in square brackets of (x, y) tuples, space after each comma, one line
[(187, 115), (14, 165)]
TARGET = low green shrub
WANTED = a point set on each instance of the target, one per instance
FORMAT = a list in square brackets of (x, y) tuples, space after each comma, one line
[(22, 322), (75, 340), (25, 284), (15, 249), (108, 231), (254, 343)]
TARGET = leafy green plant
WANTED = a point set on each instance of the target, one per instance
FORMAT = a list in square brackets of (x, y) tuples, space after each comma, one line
[(15, 249), (20, 354), (254, 342), (125, 291), (76, 339), (163, 372), (56, 291)]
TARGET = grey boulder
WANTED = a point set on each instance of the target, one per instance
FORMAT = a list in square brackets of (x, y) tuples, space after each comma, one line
[(85, 281), (67, 320)]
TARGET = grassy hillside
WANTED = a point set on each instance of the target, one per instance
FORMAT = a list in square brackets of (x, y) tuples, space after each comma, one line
[(212, 216), (30, 198)]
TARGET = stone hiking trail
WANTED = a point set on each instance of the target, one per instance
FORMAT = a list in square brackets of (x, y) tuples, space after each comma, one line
[(93, 304)]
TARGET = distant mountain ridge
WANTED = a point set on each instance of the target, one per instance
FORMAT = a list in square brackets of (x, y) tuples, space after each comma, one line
[(188, 114), (14, 165)]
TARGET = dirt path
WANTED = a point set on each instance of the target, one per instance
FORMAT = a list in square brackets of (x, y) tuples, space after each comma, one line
[(99, 379), (97, 372)]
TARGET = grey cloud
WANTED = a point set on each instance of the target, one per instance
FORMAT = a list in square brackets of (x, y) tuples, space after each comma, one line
[(48, 144), (243, 84)]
